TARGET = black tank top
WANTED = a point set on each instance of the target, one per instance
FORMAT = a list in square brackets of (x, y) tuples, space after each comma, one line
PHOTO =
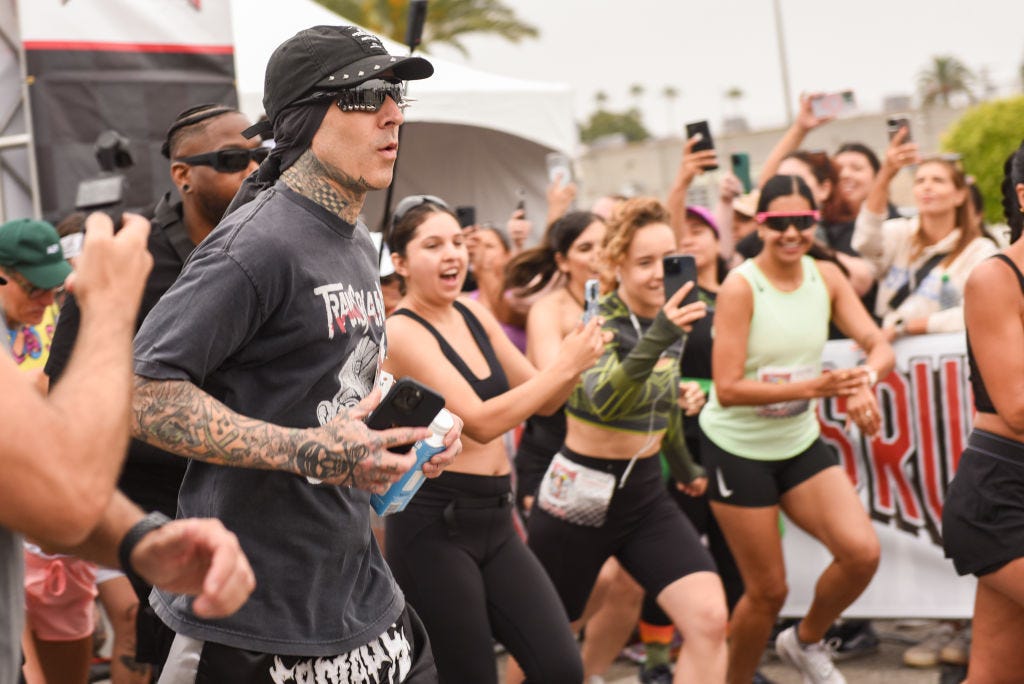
[(486, 388), (982, 402)]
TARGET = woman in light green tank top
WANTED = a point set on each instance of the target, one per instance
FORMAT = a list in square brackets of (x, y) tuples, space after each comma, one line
[(764, 451)]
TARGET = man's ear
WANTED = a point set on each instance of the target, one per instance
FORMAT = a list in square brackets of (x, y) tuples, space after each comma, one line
[(181, 174)]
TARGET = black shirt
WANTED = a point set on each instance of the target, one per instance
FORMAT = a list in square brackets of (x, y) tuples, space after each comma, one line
[(151, 476)]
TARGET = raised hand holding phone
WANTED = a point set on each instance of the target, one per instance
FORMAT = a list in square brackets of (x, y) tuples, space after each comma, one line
[(700, 147)]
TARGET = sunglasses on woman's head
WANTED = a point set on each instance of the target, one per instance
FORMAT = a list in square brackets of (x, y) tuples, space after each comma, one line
[(782, 220), (227, 161), (369, 96), (412, 201)]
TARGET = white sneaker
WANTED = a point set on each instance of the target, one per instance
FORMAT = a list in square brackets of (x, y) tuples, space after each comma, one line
[(814, 661)]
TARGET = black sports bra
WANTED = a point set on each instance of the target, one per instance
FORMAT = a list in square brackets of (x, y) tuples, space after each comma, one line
[(486, 388), (982, 402)]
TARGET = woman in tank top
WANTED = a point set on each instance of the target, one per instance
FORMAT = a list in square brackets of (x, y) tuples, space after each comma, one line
[(761, 439), (983, 515), (454, 550)]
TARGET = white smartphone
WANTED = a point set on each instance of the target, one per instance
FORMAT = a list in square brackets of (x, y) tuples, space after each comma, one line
[(834, 104), (559, 166)]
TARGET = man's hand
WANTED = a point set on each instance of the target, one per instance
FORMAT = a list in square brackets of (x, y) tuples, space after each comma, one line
[(112, 269), (198, 557), (346, 452)]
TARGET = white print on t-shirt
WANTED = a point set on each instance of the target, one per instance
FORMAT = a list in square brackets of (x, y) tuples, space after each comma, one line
[(344, 304), (355, 380), (386, 659), (785, 374)]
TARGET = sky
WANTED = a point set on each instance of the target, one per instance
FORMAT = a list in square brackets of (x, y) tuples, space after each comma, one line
[(875, 47)]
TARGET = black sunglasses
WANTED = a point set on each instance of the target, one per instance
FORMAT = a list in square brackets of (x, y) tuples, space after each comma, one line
[(369, 96), (228, 161), (781, 221)]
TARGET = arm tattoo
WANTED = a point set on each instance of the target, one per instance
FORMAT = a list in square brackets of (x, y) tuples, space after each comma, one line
[(309, 177), (178, 417)]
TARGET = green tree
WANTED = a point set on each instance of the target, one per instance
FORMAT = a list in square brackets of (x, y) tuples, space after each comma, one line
[(985, 136), (601, 98), (604, 123), (943, 77), (448, 21)]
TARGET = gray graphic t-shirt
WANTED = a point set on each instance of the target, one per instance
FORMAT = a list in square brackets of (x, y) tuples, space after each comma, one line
[(279, 315)]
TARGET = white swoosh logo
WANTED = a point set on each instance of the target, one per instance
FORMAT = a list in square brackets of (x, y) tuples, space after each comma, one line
[(722, 489)]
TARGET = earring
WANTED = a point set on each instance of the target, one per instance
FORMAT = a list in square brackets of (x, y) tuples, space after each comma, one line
[(186, 188)]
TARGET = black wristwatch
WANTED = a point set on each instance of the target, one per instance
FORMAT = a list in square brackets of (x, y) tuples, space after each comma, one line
[(151, 521)]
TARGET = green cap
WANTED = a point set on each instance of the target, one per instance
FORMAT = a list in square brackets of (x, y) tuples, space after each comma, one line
[(32, 248)]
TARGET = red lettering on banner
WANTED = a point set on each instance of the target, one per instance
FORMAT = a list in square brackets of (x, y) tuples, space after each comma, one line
[(959, 410), (928, 448), (888, 453)]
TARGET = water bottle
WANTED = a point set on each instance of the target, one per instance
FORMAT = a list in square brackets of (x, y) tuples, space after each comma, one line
[(949, 295), (401, 492)]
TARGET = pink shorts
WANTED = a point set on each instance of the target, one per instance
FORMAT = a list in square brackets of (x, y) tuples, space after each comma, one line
[(60, 595)]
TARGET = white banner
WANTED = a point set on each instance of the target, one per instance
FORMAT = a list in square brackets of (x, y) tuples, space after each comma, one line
[(205, 24), (902, 476)]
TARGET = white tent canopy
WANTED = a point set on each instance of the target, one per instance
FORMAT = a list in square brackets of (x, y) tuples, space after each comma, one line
[(471, 137)]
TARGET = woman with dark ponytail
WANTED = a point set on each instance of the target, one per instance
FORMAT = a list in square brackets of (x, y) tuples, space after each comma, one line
[(983, 516), (568, 255)]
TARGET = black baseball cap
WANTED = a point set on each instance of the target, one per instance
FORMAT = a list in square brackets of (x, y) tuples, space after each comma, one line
[(331, 58)]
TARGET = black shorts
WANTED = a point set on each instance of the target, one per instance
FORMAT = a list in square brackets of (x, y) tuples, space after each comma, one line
[(740, 481), (983, 514), (401, 653), (644, 530)]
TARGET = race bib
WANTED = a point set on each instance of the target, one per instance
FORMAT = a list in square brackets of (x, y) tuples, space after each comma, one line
[(785, 374)]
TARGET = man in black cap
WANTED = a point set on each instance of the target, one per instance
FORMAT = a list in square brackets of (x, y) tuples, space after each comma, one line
[(259, 364)]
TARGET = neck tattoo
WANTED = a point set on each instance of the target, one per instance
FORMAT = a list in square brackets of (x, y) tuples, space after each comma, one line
[(309, 177)]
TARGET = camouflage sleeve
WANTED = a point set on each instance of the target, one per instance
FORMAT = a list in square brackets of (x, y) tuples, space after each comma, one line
[(615, 387)]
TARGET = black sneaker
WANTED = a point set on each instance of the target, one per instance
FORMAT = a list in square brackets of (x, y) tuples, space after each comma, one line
[(852, 638), (659, 674)]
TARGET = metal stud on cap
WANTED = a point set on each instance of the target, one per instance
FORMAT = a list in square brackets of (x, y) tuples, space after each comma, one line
[(360, 73)]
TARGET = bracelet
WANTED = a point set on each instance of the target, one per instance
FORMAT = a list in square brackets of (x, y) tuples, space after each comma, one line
[(148, 523), (872, 375)]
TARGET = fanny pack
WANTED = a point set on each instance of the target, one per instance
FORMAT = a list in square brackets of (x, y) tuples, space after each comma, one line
[(575, 493)]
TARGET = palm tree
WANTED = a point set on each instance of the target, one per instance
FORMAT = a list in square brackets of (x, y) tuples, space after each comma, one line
[(734, 95), (636, 91), (671, 94), (945, 76), (601, 98), (448, 21)]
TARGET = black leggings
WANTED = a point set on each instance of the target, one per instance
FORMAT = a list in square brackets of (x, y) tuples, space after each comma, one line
[(457, 557)]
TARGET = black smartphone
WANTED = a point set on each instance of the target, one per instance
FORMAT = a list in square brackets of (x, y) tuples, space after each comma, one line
[(407, 404), (680, 269), (741, 169), (706, 142), (466, 216), (894, 123), (591, 293)]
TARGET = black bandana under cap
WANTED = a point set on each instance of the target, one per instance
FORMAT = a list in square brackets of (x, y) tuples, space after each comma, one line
[(293, 134)]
